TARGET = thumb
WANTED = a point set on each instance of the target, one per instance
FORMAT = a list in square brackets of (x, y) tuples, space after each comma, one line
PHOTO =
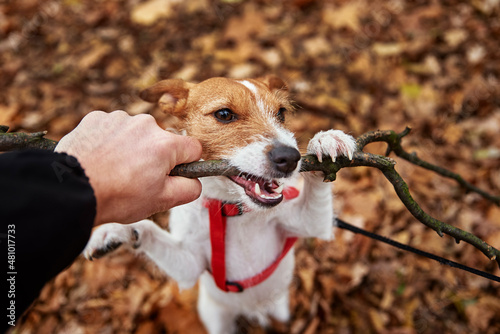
[(180, 190), (183, 149)]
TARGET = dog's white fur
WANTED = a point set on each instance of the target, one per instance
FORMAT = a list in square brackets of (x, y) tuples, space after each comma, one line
[(253, 240)]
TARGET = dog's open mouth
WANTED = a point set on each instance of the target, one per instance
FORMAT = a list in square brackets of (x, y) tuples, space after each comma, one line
[(260, 190)]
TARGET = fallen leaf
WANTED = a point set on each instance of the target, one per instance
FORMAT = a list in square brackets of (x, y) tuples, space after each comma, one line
[(7, 113), (312, 327), (387, 49), (481, 313), (247, 26), (147, 13), (92, 57), (346, 16), (378, 319), (455, 37)]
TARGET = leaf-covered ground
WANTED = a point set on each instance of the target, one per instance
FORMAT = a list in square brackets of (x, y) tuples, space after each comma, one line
[(352, 65)]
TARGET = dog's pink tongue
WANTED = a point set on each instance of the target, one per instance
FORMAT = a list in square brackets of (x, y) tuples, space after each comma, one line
[(266, 190)]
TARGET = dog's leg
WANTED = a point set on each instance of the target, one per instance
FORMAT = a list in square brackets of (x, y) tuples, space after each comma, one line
[(216, 318), (108, 237), (315, 212), (331, 143), (182, 264)]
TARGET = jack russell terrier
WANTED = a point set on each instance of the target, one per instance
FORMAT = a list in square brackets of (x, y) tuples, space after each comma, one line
[(236, 238)]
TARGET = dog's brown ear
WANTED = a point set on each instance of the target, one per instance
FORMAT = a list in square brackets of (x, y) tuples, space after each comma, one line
[(171, 95), (273, 82)]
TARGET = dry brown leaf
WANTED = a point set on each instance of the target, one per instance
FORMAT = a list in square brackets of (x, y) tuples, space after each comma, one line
[(307, 274), (245, 27), (481, 313), (365, 204), (180, 320), (93, 56), (147, 13), (493, 215), (378, 319), (7, 113), (362, 66), (347, 16), (312, 327), (317, 46), (146, 327), (388, 49), (455, 37)]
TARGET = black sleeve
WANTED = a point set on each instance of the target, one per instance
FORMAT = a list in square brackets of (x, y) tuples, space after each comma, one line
[(47, 211)]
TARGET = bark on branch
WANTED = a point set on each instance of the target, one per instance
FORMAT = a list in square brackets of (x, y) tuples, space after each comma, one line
[(10, 141), (393, 141), (21, 141)]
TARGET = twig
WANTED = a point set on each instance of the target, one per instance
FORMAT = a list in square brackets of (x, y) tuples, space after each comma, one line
[(393, 141), (204, 168), (309, 163), (21, 141), (404, 195)]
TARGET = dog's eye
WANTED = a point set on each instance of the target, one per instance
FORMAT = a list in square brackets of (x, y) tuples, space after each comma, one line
[(225, 115), (281, 115)]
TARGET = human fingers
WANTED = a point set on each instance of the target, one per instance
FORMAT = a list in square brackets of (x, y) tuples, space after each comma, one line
[(184, 149), (94, 126), (180, 190), (97, 120)]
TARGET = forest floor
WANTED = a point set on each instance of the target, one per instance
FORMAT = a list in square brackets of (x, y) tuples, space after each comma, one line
[(350, 65)]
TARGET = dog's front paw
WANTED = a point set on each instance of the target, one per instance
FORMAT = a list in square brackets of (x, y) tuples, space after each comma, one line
[(331, 143), (108, 237)]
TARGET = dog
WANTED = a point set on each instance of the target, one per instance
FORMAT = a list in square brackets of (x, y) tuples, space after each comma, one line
[(235, 240)]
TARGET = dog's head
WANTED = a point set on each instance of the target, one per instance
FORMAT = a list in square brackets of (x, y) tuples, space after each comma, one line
[(242, 121)]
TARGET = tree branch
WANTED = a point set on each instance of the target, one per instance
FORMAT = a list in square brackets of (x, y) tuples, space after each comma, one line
[(22, 141), (404, 195), (393, 141), (328, 167)]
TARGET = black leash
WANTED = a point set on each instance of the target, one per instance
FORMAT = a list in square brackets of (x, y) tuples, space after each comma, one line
[(342, 224)]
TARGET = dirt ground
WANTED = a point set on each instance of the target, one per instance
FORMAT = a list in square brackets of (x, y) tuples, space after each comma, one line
[(351, 65)]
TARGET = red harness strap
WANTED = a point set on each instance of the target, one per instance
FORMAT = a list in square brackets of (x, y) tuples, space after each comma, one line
[(218, 211)]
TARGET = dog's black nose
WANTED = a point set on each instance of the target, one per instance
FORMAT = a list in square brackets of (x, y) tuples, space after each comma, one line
[(284, 158)]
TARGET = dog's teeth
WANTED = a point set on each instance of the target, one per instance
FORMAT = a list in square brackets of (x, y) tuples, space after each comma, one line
[(257, 189), (271, 196), (279, 190)]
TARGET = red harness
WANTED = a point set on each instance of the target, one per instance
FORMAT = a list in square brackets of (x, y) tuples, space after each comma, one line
[(218, 211)]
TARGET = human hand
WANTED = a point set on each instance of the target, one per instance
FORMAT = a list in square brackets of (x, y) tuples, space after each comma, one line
[(127, 160)]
